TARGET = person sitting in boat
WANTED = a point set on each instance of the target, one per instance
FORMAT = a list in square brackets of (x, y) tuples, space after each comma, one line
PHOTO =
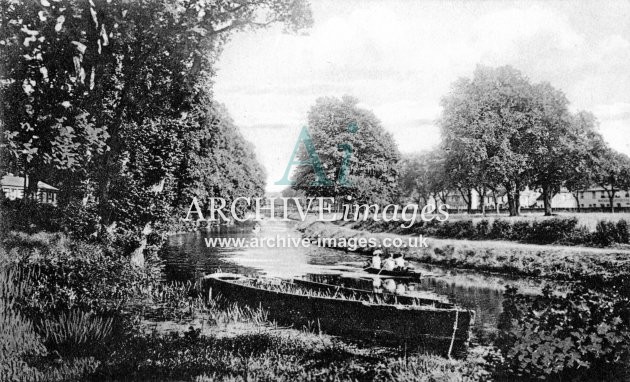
[(399, 262), (389, 263), (377, 285), (400, 288), (389, 286), (376, 259)]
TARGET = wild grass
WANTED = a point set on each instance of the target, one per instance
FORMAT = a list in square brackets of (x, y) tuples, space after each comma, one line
[(275, 356), (18, 339), (72, 332), (23, 354)]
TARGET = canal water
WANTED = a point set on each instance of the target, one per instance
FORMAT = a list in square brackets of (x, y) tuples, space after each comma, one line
[(188, 257)]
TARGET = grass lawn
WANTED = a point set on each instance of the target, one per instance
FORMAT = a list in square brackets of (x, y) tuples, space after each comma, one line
[(587, 219)]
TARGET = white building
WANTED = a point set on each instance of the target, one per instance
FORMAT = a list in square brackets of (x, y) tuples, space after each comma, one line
[(455, 200), (595, 197), (13, 188)]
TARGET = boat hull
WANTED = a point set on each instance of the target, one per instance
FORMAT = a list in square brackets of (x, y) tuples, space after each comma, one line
[(438, 331), (400, 274)]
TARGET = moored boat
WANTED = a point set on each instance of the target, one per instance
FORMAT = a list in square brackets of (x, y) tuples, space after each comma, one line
[(413, 324), (364, 293), (407, 273)]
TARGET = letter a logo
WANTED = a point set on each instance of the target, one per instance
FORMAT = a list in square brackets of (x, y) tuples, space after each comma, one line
[(313, 161)]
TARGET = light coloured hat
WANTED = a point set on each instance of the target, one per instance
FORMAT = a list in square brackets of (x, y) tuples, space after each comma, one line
[(377, 252)]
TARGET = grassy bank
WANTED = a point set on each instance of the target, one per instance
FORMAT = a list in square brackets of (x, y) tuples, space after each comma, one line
[(559, 262)]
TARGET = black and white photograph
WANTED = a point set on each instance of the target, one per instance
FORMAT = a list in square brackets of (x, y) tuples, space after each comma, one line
[(315, 190)]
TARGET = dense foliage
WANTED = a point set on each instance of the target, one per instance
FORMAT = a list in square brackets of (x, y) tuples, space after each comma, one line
[(373, 163), (218, 161), (109, 100), (583, 335)]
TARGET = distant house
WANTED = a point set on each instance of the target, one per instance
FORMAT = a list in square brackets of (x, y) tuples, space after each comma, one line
[(13, 188), (597, 197), (594, 197), (563, 199), (455, 200)]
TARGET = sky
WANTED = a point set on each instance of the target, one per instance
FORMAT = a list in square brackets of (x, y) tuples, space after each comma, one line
[(399, 58)]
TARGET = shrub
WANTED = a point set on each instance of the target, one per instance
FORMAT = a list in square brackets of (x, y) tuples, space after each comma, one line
[(65, 274), (483, 229), (29, 216), (443, 229), (501, 229), (78, 220), (605, 233), (431, 227), (623, 233), (581, 235), (463, 229), (521, 230), (549, 231)]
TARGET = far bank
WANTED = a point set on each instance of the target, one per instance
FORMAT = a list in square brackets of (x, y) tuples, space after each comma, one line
[(534, 260)]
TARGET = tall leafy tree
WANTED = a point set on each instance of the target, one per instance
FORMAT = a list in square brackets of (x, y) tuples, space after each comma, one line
[(218, 161), (372, 166), (483, 125), (612, 172), (95, 89), (581, 161), (549, 141), (75, 72)]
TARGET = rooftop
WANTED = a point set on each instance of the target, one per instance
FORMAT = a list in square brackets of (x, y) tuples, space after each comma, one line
[(11, 180)]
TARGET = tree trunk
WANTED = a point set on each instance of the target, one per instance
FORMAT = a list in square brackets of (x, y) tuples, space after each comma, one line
[(496, 201), (25, 187), (137, 257), (482, 200), (611, 197), (547, 200), (513, 197), (467, 196), (510, 200), (577, 199), (469, 202), (443, 195)]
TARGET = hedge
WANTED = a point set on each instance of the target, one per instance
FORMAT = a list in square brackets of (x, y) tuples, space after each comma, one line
[(564, 230)]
